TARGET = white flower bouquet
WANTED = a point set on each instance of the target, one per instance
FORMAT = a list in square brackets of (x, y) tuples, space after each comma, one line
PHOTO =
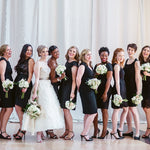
[(33, 109), (145, 67), (60, 69), (70, 105), (94, 83), (118, 100), (7, 84), (137, 99), (23, 84), (101, 69)]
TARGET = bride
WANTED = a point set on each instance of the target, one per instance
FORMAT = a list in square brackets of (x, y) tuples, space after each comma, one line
[(51, 116)]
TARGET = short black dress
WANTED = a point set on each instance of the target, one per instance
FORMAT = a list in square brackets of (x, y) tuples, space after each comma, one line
[(66, 85), (122, 89), (7, 102), (103, 77), (87, 95), (146, 92), (22, 73), (130, 81)]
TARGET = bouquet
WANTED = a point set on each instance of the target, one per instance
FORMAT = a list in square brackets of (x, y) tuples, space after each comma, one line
[(7, 84), (137, 99), (70, 105), (101, 69), (60, 69), (118, 100), (145, 67), (94, 83), (23, 84), (33, 109)]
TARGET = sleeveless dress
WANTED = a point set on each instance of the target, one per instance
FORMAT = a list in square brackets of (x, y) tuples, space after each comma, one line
[(66, 85), (122, 89), (51, 116), (7, 102), (130, 81), (22, 73), (87, 95), (146, 92), (103, 77)]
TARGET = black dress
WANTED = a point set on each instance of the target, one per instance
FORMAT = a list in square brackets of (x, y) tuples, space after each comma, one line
[(103, 77), (7, 102), (22, 73), (122, 89), (146, 92), (66, 85), (130, 81), (87, 95)]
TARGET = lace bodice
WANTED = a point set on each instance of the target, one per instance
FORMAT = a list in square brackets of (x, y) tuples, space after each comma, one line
[(44, 71)]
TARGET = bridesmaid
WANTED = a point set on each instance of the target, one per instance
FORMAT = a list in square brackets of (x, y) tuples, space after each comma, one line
[(120, 89), (7, 103), (68, 89), (104, 92), (85, 72), (55, 79), (133, 84), (144, 57), (24, 69)]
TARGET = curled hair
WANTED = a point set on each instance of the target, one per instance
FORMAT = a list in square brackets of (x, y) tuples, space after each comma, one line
[(103, 49), (132, 45), (114, 59), (51, 49), (3, 49), (141, 58), (77, 53), (40, 48)]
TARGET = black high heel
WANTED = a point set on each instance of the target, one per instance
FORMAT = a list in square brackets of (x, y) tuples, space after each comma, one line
[(137, 137), (8, 137), (146, 136), (97, 134), (14, 135), (18, 137), (84, 137), (118, 138), (104, 136), (128, 134), (119, 133)]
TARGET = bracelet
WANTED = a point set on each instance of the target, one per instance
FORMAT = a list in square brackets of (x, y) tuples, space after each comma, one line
[(58, 79)]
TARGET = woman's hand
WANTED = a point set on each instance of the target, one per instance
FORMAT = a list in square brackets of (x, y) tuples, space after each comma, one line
[(145, 73), (104, 97), (72, 95), (62, 76), (5, 90), (34, 96), (24, 90)]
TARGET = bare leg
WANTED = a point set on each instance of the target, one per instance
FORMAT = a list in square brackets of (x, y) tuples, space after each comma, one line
[(19, 113), (1, 116), (39, 137), (105, 121), (147, 113), (129, 121), (95, 122)]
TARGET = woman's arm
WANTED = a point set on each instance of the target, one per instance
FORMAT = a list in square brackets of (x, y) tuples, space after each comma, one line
[(74, 75), (2, 69), (117, 78), (108, 82), (79, 75), (138, 80), (30, 69), (37, 75)]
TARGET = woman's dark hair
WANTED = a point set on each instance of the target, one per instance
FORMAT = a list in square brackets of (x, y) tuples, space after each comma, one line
[(132, 45), (51, 48), (141, 58), (23, 55), (103, 49)]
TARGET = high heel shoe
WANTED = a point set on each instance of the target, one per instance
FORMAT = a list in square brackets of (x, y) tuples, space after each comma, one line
[(97, 134), (8, 137), (119, 133), (84, 137), (107, 132), (65, 133), (137, 137), (146, 136), (14, 135), (19, 137), (51, 134), (71, 137), (118, 138), (128, 134)]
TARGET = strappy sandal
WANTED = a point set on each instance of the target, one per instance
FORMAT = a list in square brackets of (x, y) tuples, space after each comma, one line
[(51, 134), (69, 138), (14, 135), (65, 133), (8, 137), (18, 137)]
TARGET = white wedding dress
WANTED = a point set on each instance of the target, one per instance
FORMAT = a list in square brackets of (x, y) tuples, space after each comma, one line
[(51, 116)]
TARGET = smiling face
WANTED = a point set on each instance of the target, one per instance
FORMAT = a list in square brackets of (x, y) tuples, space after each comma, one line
[(131, 51), (44, 52), (8, 52), (146, 52), (120, 57), (88, 56), (104, 57), (72, 53), (55, 53), (29, 52)]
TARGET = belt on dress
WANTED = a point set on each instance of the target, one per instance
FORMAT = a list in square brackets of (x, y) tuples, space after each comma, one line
[(44, 78)]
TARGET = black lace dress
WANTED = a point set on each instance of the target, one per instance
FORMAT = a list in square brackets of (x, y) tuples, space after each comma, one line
[(22, 73), (87, 95), (6, 102)]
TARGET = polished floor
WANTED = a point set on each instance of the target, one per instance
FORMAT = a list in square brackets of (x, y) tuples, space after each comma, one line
[(76, 144)]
